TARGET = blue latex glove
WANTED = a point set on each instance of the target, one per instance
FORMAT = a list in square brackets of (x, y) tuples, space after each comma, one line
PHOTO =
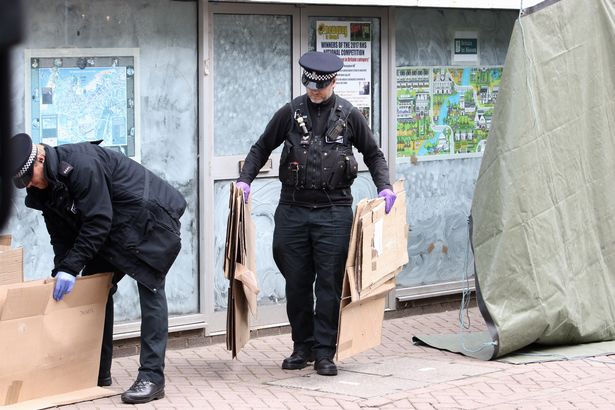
[(64, 284), (246, 190), (389, 199)]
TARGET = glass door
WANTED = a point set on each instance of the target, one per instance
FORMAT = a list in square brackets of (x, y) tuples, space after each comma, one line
[(251, 71)]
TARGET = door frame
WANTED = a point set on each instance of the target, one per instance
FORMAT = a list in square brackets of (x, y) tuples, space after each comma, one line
[(212, 168)]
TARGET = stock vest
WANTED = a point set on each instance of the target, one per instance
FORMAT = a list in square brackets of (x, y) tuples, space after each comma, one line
[(318, 162)]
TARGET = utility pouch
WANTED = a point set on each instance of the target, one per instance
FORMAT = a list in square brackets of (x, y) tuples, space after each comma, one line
[(342, 171), (292, 164)]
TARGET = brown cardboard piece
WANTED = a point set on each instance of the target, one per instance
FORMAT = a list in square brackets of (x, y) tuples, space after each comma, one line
[(51, 350), (240, 270), (76, 396), (11, 262), (5, 241), (385, 242), (377, 253)]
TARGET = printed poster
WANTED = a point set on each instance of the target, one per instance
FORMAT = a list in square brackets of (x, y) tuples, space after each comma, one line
[(445, 110), (352, 42)]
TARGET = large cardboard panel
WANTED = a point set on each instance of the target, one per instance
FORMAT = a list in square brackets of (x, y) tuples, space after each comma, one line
[(76, 396), (376, 254), (240, 269), (51, 348), (360, 326)]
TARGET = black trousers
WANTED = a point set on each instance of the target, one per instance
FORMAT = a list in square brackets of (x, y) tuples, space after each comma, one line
[(310, 247), (154, 326)]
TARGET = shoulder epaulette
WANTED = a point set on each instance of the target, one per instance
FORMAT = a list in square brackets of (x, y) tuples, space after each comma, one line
[(65, 169)]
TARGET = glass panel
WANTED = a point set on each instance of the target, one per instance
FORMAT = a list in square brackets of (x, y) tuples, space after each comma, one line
[(375, 89), (252, 77), (265, 194), (439, 198)]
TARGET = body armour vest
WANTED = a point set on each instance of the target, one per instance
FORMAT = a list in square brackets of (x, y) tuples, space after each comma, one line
[(318, 161)]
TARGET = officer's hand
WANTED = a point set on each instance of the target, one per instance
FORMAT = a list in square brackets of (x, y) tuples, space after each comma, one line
[(389, 199), (246, 190), (64, 284)]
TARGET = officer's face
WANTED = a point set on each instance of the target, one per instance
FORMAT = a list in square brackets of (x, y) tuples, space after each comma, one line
[(38, 175), (319, 95)]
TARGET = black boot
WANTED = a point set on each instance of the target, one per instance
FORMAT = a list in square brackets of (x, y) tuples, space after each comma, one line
[(298, 360), (325, 367), (143, 391)]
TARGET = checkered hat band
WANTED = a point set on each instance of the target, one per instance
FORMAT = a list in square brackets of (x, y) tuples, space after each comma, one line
[(28, 163), (319, 77)]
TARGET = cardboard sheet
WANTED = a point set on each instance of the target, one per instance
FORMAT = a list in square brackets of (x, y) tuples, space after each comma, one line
[(51, 348), (240, 270), (5, 241), (11, 262), (376, 253), (544, 204), (76, 396), (360, 325)]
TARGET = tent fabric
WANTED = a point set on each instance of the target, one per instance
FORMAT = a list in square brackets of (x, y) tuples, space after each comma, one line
[(544, 203), (478, 345)]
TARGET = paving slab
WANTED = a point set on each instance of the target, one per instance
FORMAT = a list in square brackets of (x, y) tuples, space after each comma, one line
[(386, 376), (363, 385), (412, 368)]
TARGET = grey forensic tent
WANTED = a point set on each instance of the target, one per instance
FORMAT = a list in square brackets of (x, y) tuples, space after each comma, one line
[(543, 209)]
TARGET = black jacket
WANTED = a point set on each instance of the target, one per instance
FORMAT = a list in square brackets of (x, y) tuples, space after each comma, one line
[(100, 203), (282, 128)]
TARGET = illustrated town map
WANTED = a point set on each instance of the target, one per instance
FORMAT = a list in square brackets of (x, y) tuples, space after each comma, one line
[(445, 110)]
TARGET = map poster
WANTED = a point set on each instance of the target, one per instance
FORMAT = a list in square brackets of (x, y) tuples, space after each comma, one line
[(352, 42), (75, 98), (445, 110)]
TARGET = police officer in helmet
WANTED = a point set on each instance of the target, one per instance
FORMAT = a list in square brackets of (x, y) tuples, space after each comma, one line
[(314, 216), (107, 213)]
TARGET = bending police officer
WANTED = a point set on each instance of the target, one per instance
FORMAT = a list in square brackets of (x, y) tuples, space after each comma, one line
[(107, 213), (314, 215)]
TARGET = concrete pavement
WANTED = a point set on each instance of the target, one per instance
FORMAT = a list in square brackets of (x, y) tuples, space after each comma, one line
[(395, 375)]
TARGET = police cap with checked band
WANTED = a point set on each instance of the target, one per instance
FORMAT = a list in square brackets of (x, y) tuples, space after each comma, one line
[(319, 68), (23, 157)]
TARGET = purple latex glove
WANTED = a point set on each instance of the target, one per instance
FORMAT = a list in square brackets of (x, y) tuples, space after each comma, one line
[(389, 199), (246, 190), (64, 284)]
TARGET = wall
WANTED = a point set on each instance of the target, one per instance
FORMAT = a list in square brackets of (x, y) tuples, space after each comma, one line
[(165, 31), (440, 192), (166, 34)]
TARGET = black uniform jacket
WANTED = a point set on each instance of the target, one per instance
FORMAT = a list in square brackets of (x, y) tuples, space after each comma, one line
[(282, 126), (100, 203)]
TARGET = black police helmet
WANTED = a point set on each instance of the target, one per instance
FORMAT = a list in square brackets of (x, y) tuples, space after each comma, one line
[(23, 156)]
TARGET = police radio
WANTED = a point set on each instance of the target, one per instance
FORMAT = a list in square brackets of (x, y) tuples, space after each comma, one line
[(334, 133)]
